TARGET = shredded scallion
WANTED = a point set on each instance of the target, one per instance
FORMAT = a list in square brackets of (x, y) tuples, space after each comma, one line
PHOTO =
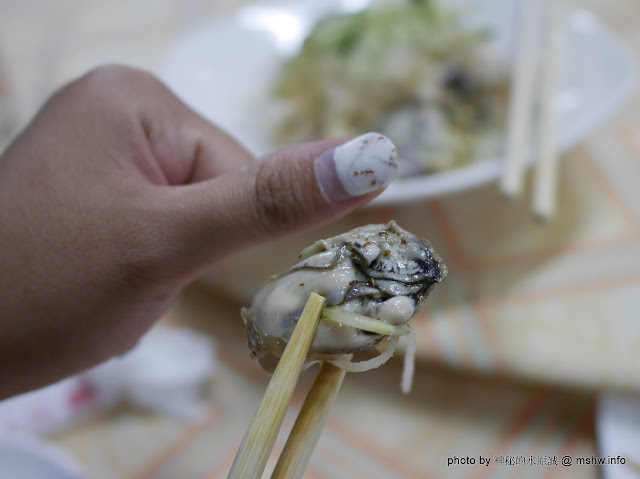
[(338, 315)]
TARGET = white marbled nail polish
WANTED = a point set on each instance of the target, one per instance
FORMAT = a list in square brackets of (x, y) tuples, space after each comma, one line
[(365, 164)]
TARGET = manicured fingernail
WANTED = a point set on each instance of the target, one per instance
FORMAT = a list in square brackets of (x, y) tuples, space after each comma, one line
[(365, 164)]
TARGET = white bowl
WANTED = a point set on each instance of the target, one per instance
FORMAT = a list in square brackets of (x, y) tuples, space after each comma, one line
[(226, 69)]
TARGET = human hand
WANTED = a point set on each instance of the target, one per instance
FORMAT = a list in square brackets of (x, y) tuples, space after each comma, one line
[(117, 195)]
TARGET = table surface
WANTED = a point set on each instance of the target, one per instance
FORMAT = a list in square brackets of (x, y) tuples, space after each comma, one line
[(534, 321)]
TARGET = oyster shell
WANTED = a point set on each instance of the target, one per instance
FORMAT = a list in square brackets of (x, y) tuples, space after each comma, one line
[(381, 271)]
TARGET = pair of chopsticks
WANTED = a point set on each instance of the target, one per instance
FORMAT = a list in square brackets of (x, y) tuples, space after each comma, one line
[(540, 24), (260, 437)]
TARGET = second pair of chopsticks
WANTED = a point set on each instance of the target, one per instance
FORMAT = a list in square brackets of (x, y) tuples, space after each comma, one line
[(260, 437), (526, 94)]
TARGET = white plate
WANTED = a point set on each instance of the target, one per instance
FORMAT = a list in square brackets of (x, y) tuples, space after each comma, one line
[(33, 458), (618, 432), (226, 69)]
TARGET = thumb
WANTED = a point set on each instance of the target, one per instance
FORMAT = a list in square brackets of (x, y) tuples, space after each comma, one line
[(293, 189)]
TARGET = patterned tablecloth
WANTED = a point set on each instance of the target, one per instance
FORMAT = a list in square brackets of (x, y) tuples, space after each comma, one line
[(533, 322)]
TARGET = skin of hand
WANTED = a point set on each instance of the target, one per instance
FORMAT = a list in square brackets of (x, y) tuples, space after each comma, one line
[(116, 196)]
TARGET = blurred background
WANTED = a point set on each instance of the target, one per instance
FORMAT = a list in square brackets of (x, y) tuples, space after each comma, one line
[(529, 351)]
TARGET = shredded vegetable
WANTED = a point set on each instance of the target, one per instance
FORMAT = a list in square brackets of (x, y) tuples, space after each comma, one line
[(360, 321), (386, 348), (407, 69)]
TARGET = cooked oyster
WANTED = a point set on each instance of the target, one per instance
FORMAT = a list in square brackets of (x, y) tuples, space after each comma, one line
[(375, 271)]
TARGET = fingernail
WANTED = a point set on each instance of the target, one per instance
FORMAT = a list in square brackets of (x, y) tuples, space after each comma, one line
[(362, 165)]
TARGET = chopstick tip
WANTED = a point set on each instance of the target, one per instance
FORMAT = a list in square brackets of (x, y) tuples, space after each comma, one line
[(509, 193)]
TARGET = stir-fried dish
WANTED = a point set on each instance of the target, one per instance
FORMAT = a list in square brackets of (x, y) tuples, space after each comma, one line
[(408, 69)]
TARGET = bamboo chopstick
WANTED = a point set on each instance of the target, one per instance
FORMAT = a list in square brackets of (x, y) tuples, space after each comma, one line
[(525, 96), (258, 441), (306, 431), (545, 182), (522, 98)]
